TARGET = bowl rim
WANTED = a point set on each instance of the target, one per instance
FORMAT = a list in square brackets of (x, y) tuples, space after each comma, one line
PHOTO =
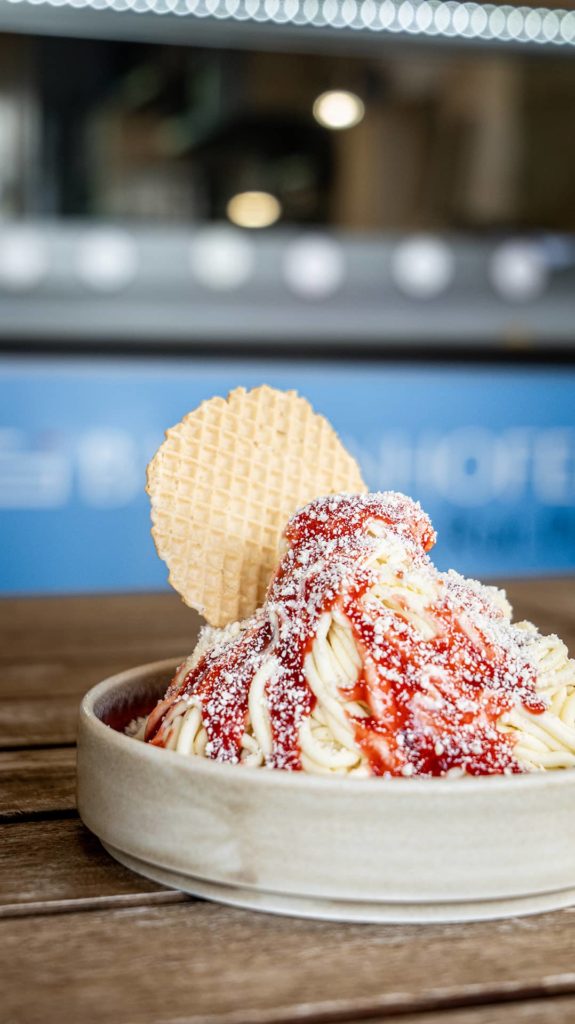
[(270, 777)]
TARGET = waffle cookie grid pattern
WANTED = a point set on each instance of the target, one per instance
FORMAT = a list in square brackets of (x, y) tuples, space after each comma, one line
[(223, 485)]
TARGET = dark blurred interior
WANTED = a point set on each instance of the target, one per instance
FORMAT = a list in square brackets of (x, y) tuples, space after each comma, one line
[(474, 141)]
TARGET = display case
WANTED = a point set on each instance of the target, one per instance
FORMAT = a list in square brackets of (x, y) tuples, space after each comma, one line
[(371, 202)]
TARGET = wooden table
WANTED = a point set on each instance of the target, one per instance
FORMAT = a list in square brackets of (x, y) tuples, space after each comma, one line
[(83, 940)]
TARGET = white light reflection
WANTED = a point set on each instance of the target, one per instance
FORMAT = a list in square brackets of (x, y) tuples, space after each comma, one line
[(23, 258), (107, 260), (314, 267), (425, 17), (423, 267), (221, 258), (518, 270)]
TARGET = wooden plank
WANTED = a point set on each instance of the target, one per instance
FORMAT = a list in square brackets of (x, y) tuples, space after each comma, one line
[(46, 719), (556, 594), (74, 644), (198, 962), (554, 1010), (550, 604), (49, 721), (48, 866), (39, 701), (135, 626), (69, 675), (37, 783), (246, 967)]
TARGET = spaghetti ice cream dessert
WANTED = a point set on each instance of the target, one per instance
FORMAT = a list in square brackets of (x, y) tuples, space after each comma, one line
[(362, 657), (366, 660)]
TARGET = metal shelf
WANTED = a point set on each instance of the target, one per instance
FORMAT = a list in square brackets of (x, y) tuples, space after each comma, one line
[(79, 283)]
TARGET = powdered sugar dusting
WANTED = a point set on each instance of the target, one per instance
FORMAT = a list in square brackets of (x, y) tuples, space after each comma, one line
[(434, 697)]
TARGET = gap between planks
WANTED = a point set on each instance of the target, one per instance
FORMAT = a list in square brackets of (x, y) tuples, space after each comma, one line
[(57, 866), (555, 1008), (37, 783)]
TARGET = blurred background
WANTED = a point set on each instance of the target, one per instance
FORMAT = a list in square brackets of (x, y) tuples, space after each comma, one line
[(372, 201)]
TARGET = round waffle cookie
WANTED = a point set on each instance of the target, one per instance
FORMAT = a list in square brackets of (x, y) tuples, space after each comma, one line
[(223, 485)]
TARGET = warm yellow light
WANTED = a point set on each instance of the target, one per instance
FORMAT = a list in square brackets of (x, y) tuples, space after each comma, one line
[(254, 209), (338, 109)]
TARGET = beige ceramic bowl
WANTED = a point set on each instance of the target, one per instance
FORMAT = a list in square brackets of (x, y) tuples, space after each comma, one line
[(352, 850)]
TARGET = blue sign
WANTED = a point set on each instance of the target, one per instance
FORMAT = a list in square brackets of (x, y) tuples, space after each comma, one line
[(489, 452)]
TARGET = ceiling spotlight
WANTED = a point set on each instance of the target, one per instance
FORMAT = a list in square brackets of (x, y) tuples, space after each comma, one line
[(221, 258), (254, 209), (23, 258), (314, 267), (422, 266), (107, 260), (338, 109)]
